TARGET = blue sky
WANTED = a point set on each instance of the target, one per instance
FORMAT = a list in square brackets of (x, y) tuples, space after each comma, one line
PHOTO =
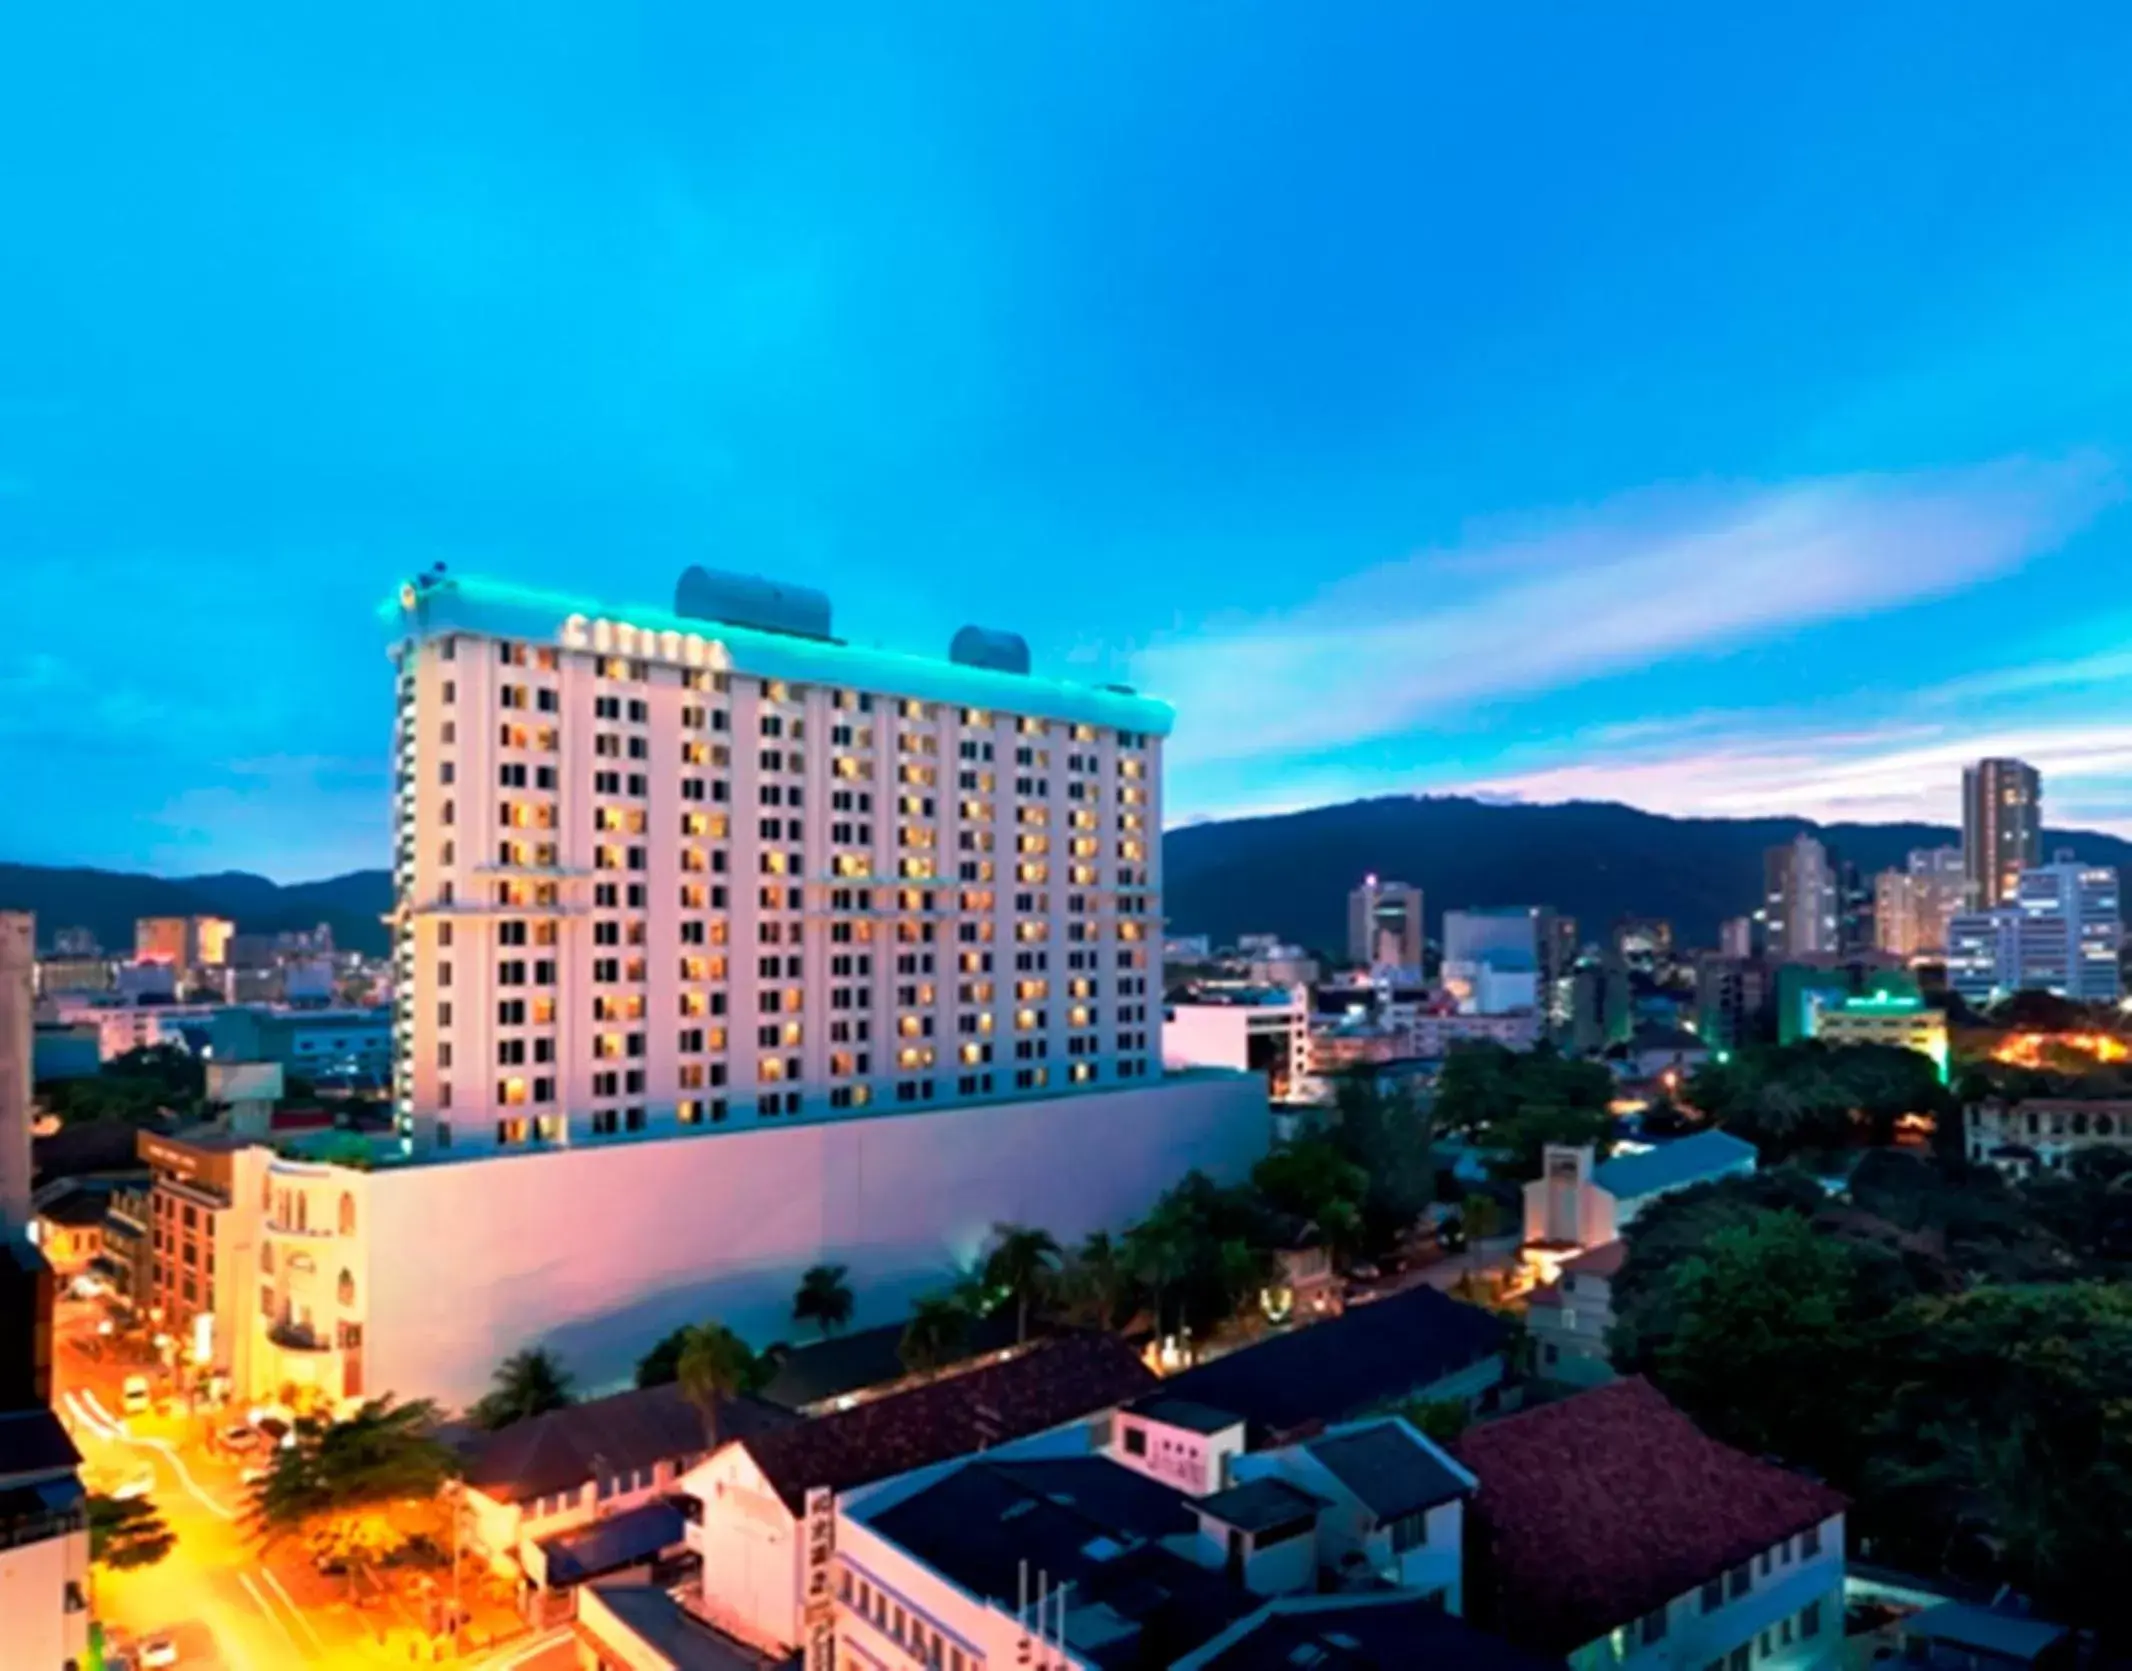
[(1715, 411)]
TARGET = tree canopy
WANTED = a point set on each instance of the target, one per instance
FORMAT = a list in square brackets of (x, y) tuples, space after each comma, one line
[(1791, 1099), (126, 1532)]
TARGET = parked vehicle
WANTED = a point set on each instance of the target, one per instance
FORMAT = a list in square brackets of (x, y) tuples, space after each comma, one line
[(136, 1484), (134, 1395), (158, 1651)]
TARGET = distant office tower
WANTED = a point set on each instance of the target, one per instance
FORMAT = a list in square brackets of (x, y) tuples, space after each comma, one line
[(183, 942), (1384, 925), (2060, 934), (1602, 1003), (2070, 929), (1854, 906), (1492, 958), (2002, 829), (25, 1277), (717, 862), (75, 942), (1912, 906), (1643, 939), (18, 968), (1732, 995), (1735, 937), (1802, 902)]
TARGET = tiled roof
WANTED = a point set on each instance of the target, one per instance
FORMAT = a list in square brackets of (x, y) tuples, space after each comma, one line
[(1389, 1469), (1689, 1160), (1593, 1511), (825, 1369), (569, 1446), (1054, 1382), (1352, 1365)]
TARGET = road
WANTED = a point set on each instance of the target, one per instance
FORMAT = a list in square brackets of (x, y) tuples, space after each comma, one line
[(229, 1605)]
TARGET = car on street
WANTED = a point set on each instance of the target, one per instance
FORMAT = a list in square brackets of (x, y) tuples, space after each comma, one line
[(136, 1484), (158, 1651), (242, 1437), (133, 1396)]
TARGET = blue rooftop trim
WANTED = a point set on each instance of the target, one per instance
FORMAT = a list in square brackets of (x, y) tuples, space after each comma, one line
[(1691, 1160), (477, 604), (624, 1540)]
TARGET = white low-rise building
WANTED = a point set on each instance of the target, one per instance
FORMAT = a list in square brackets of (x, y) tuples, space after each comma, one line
[(1251, 1029), (1578, 1202)]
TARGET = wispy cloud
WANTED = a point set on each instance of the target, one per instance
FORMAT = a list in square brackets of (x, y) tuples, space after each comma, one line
[(1906, 773), (1637, 581)]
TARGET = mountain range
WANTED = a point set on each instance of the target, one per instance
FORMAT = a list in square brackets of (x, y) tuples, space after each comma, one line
[(1290, 875), (1287, 875)]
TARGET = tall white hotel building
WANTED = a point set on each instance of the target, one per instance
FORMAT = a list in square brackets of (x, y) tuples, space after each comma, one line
[(725, 949), (669, 872)]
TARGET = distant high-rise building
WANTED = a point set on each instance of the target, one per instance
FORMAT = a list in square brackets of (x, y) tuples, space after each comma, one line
[(1732, 996), (1912, 906), (18, 967), (1735, 937), (75, 942), (1602, 1003), (1854, 907), (1643, 939), (183, 942), (2002, 829), (1492, 958), (1802, 902), (2060, 933), (1384, 924)]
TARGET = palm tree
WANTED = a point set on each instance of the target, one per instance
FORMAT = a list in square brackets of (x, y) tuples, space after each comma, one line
[(528, 1383), (715, 1367), (934, 1337), (1096, 1286), (824, 1298), (1024, 1264)]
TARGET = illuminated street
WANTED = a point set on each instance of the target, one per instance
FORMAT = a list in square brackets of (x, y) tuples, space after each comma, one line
[(222, 1601)]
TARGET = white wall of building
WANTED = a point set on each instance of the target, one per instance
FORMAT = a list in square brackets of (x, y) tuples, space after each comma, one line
[(598, 1252), (751, 1548), (38, 1631)]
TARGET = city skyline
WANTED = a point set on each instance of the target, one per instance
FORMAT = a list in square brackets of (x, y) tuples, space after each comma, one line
[(1722, 433)]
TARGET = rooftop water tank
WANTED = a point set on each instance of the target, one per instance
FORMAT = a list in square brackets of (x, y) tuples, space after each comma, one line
[(748, 600), (1002, 652)]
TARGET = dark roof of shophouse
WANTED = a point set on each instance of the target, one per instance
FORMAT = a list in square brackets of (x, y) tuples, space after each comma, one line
[(1593, 1511), (1082, 1522), (1183, 1413), (662, 1624), (823, 1370), (1389, 1469), (1261, 1505), (1363, 1633), (78, 1208), (1053, 1382), (1352, 1365), (603, 1436)]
